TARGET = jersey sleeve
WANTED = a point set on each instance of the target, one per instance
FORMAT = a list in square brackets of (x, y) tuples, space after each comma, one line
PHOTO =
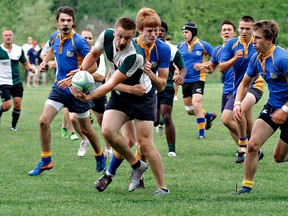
[(178, 60), (164, 54), (99, 44), (131, 64), (227, 54)]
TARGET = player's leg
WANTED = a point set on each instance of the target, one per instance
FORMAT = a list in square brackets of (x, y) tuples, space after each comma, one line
[(145, 138)]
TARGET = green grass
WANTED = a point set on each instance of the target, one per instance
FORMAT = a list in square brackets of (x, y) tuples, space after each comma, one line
[(201, 178)]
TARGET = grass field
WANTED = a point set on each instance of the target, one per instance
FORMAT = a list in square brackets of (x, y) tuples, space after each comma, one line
[(201, 178)]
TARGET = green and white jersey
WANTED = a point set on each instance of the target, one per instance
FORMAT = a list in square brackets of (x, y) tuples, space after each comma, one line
[(129, 61), (176, 58), (9, 64)]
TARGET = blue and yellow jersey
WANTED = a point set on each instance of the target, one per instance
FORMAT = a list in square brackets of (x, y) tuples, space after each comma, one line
[(227, 77), (69, 55), (274, 69), (194, 53), (241, 65), (158, 54)]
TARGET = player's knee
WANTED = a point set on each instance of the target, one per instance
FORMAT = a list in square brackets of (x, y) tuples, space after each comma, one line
[(278, 157), (253, 146)]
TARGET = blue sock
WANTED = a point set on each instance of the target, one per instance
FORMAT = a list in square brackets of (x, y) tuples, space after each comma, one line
[(99, 158), (114, 164), (46, 160), (208, 115), (201, 126)]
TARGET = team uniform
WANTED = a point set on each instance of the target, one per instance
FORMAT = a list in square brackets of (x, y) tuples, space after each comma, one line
[(241, 65), (69, 54), (10, 80), (194, 80), (274, 69), (129, 62), (227, 79), (167, 95)]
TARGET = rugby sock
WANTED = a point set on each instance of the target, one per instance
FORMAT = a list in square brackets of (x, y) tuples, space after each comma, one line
[(171, 148), (46, 157), (100, 156), (201, 126), (15, 117), (247, 185), (115, 163), (242, 144), (2, 110), (207, 114), (140, 157), (136, 165)]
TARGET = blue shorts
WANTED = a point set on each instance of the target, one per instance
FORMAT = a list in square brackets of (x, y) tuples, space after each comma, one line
[(6, 91), (69, 101), (227, 102), (265, 115)]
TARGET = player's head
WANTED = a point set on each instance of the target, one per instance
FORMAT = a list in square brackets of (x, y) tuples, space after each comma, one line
[(227, 30), (268, 28), (148, 24), (65, 18), (189, 31), (245, 28), (124, 32), (88, 36), (7, 36), (147, 17), (163, 30)]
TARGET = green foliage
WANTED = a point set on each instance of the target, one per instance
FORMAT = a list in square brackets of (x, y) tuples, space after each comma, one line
[(36, 18)]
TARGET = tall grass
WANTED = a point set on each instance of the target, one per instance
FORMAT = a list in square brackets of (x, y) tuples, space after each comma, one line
[(201, 178)]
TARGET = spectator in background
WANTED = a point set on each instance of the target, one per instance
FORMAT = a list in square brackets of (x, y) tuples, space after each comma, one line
[(32, 58)]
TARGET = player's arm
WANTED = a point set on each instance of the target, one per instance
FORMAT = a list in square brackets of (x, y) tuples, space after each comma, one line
[(224, 66), (49, 56), (241, 93), (160, 80), (114, 80), (89, 60)]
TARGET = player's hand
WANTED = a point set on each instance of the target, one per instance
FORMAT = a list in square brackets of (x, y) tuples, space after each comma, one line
[(43, 67), (147, 67), (177, 79), (79, 94), (239, 54), (52, 64), (237, 113), (138, 90), (71, 73), (65, 83), (279, 116)]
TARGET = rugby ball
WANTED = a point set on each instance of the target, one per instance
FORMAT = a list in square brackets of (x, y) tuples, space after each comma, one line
[(83, 81)]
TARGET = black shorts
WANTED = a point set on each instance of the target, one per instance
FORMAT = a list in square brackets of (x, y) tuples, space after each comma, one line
[(141, 108), (166, 97), (6, 91), (188, 89), (256, 92), (265, 115), (99, 104)]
